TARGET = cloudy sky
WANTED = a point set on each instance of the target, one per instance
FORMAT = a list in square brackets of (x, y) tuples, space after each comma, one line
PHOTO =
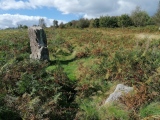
[(28, 12)]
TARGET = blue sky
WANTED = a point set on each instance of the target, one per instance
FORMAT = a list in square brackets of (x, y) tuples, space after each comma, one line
[(43, 11), (28, 12)]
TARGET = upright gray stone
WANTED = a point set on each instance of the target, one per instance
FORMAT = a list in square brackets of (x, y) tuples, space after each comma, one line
[(38, 44)]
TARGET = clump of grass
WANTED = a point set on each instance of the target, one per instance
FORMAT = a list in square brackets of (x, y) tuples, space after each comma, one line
[(88, 110), (150, 110), (113, 112)]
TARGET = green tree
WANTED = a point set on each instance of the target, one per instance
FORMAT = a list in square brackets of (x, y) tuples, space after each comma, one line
[(69, 24), (91, 23), (140, 17), (104, 21), (156, 17), (42, 23), (25, 26), (83, 23), (108, 21), (74, 23), (124, 21), (113, 22), (55, 23), (61, 25), (20, 26), (96, 23)]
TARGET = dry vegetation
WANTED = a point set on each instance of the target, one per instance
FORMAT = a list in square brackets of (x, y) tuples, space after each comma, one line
[(84, 66)]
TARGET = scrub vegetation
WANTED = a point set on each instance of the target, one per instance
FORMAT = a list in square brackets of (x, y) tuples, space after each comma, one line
[(84, 68)]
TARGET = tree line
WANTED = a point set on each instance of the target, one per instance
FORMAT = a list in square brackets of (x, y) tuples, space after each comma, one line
[(138, 18)]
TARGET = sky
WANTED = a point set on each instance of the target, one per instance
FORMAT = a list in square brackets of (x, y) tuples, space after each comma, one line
[(28, 12)]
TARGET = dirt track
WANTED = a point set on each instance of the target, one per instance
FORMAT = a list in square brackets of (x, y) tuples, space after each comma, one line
[(147, 36)]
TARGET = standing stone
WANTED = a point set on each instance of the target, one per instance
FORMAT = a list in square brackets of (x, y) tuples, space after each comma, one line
[(38, 44)]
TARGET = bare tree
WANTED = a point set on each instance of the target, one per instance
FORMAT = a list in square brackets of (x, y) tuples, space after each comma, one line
[(42, 23)]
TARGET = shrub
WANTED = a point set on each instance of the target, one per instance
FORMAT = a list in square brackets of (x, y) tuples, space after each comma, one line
[(46, 95)]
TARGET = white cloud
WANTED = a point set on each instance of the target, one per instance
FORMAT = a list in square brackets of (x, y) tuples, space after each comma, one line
[(103, 7), (25, 4), (12, 4), (8, 20), (88, 8)]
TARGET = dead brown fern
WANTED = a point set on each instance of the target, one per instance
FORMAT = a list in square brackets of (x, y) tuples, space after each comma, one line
[(139, 97)]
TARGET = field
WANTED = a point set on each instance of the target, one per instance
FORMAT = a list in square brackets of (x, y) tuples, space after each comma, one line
[(84, 68)]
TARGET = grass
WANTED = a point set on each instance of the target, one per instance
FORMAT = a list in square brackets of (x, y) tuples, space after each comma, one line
[(114, 112), (150, 110), (70, 69)]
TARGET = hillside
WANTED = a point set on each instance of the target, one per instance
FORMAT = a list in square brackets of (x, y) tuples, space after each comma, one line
[(84, 68)]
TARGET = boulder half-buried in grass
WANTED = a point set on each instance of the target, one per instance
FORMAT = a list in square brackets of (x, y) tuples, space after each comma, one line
[(118, 92)]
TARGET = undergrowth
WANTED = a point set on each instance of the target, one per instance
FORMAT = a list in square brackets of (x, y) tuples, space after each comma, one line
[(85, 66)]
